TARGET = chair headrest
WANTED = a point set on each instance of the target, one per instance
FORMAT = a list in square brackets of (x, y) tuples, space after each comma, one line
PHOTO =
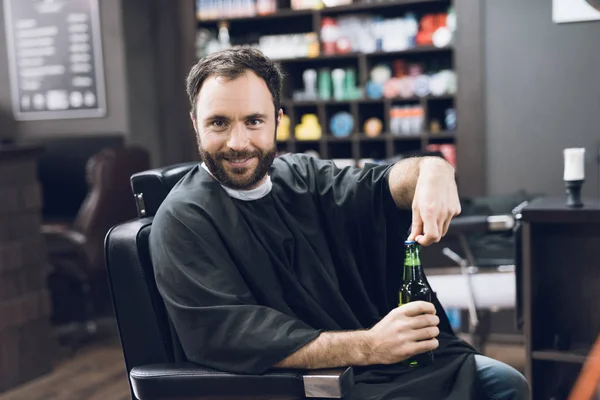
[(151, 187)]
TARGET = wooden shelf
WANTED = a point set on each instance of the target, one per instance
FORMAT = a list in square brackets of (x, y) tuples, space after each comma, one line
[(412, 50), (399, 53), (361, 137), (323, 57), (333, 139), (441, 135), (577, 356), (301, 103), (285, 13), (281, 14), (377, 5), (407, 138)]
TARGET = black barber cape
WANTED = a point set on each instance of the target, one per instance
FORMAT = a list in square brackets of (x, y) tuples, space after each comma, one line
[(247, 283)]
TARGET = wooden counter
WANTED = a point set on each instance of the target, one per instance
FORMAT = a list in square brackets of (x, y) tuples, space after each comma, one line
[(26, 347), (561, 286)]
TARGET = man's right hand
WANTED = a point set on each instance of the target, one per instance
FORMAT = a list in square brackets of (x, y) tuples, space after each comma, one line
[(406, 331)]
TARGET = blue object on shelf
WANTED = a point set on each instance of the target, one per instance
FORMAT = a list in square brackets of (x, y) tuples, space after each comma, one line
[(341, 124), (374, 90), (450, 119)]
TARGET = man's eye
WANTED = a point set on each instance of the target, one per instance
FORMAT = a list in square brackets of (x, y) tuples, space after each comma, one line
[(218, 124), (255, 122)]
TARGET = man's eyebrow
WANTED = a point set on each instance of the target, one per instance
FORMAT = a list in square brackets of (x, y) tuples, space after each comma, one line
[(212, 117), (257, 116)]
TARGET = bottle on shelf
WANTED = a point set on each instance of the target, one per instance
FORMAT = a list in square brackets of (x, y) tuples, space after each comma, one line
[(224, 40), (406, 121), (414, 288)]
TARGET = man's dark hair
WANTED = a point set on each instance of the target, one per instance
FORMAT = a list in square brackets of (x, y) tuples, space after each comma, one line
[(231, 64)]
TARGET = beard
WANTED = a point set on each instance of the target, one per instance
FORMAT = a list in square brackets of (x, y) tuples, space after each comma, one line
[(238, 178)]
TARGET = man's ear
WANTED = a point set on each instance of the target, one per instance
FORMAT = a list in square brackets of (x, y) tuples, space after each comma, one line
[(193, 121), (279, 115)]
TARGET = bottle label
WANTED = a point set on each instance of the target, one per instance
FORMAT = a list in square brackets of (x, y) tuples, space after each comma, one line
[(411, 262)]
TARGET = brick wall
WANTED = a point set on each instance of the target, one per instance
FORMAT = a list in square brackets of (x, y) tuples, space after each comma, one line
[(26, 345)]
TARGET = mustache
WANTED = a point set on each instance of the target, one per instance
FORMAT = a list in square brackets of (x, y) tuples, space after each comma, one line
[(238, 154)]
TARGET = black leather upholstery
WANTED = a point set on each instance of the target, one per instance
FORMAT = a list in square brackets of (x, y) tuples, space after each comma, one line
[(155, 184), (152, 353), (160, 381), (141, 315)]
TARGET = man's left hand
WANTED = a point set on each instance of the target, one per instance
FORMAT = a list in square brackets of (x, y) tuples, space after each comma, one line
[(435, 202)]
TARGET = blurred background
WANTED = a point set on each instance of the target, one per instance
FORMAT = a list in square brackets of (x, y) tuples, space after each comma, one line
[(93, 91)]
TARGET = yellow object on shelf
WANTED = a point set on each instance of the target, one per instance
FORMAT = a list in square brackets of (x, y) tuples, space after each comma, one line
[(373, 127), (283, 129), (313, 45), (309, 128)]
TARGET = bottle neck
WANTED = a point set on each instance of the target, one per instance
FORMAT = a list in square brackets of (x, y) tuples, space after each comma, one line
[(412, 265)]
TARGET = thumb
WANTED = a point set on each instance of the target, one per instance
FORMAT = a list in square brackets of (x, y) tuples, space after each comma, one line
[(417, 226)]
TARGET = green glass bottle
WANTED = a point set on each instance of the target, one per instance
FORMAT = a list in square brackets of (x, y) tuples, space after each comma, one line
[(415, 287)]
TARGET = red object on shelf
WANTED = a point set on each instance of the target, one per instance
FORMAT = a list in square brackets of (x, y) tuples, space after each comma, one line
[(343, 46), (447, 150), (329, 36), (427, 27), (429, 24)]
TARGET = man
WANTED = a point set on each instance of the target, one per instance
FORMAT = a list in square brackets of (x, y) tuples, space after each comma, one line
[(290, 262)]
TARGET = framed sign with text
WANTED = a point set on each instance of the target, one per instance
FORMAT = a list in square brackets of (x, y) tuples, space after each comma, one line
[(55, 59)]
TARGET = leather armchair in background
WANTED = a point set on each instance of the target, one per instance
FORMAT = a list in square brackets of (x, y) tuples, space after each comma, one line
[(76, 252)]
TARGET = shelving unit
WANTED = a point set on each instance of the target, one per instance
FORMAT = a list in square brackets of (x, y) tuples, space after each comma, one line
[(560, 279), (391, 144), (575, 357), (357, 145)]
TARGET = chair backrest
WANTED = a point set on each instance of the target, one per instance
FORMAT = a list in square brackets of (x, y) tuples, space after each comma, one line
[(144, 327), (108, 201)]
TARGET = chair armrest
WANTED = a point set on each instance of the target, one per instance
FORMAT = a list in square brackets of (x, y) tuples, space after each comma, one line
[(481, 224), (192, 382), (62, 234)]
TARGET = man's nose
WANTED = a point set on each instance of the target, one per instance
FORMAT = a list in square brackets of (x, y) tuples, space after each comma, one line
[(239, 138)]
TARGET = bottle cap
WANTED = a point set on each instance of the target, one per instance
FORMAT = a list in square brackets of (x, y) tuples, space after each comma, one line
[(409, 242)]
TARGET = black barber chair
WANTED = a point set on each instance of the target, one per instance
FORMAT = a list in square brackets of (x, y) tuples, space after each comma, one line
[(154, 359)]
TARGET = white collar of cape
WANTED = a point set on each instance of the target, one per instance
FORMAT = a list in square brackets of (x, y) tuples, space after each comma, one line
[(247, 195)]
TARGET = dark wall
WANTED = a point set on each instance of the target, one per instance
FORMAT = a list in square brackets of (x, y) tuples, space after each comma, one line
[(542, 95), (159, 40)]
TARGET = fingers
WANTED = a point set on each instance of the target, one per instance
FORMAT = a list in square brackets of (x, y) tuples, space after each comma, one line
[(425, 345), (445, 224), (417, 308), (431, 229), (428, 333), (424, 321), (435, 229), (417, 225)]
